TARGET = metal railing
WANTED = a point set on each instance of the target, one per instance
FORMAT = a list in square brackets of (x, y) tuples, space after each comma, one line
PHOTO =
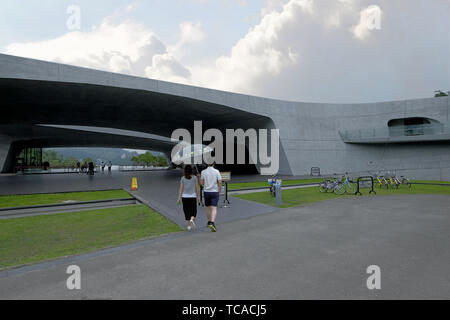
[(390, 133), (141, 168)]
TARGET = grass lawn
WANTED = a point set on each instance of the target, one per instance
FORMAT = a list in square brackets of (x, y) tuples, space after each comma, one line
[(55, 198), (431, 181), (38, 238), (243, 185), (298, 197)]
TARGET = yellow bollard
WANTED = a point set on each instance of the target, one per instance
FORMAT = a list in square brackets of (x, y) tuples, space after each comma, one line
[(134, 184)]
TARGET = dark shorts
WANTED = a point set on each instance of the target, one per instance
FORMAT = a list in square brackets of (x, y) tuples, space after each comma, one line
[(211, 199), (189, 207)]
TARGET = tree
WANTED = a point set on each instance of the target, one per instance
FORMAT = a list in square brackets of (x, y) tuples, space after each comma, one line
[(161, 161), (440, 93), (135, 160), (147, 158), (87, 160), (70, 162), (53, 158)]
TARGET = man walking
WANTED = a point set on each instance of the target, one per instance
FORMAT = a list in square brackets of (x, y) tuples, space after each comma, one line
[(198, 170), (212, 185)]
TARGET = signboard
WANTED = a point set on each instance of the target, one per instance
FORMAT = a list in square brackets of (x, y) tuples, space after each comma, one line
[(315, 171), (226, 176)]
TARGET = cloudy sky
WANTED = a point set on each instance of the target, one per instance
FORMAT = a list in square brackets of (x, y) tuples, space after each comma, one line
[(304, 50)]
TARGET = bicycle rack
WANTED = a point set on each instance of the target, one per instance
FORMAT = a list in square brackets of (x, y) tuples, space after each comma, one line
[(357, 184)]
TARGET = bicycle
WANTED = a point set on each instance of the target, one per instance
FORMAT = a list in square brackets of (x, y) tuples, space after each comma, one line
[(349, 185), (405, 181), (393, 182), (339, 188), (382, 182), (332, 185), (326, 185), (402, 181)]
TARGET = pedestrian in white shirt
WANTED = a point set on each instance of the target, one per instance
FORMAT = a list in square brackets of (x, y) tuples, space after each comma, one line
[(212, 186)]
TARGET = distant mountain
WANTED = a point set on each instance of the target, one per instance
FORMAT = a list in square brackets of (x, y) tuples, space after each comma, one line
[(116, 156)]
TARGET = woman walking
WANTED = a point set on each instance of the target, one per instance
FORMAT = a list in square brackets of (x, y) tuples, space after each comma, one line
[(189, 195)]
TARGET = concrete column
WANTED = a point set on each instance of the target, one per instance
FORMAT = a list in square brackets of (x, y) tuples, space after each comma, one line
[(6, 155)]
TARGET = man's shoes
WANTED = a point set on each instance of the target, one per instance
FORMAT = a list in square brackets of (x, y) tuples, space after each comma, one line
[(212, 226)]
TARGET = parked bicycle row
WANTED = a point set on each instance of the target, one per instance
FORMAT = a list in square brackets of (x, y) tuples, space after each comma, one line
[(391, 180), (338, 185), (346, 185)]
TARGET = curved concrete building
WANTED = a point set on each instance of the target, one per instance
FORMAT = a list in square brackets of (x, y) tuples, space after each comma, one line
[(46, 104)]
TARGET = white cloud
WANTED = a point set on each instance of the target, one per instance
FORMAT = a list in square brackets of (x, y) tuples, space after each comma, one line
[(132, 7), (300, 49), (272, 5), (129, 47), (190, 33), (261, 53), (241, 3), (121, 47), (166, 67), (333, 20)]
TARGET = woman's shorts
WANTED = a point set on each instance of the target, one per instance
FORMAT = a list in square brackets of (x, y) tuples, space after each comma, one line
[(211, 199), (189, 207)]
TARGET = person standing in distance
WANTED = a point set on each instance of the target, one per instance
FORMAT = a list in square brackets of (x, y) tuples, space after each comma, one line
[(212, 184)]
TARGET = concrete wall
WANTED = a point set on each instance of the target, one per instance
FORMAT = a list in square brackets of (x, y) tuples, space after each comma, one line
[(310, 138), (309, 131)]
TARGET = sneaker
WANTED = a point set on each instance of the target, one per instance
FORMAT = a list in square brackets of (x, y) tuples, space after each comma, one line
[(212, 226), (189, 228)]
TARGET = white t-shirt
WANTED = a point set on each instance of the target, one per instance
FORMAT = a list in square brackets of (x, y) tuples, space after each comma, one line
[(189, 187), (211, 177)]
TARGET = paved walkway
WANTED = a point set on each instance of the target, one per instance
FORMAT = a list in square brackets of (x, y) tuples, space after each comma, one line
[(158, 189), (319, 251)]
